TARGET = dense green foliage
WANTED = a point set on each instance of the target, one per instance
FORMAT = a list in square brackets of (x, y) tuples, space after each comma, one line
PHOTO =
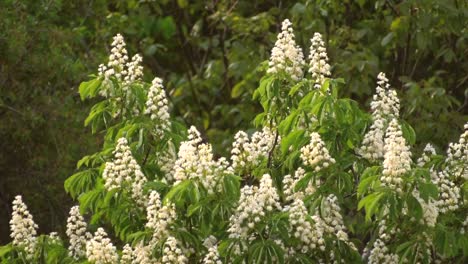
[(208, 53)]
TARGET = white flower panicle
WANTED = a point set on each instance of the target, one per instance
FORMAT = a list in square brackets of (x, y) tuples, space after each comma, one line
[(117, 59), (127, 255), (286, 56), (142, 255), (134, 70), (54, 238), (123, 170), (212, 257), (334, 221), (397, 158), (380, 254), (385, 102), (289, 183), (309, 233), (429, 208), (195, 161), (385, 106), (77, 234), (100, 250), (457, 156), (23, 228), (254, 204), (172, 253), (159, 218), (247, 153), (449, 192), (157, 106), (319, 67), (428, 152), (315, 154)]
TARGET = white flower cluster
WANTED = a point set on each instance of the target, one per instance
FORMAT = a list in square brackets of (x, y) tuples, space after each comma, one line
[(385, 106), (212, 257), (54, 238), (140, 255), (309, 233), (315, 154), (22, 226), (319, 67), (77, 234), (134, 70), (428, 152), (100, 250), (159, 217), (333, 220), (172, 253), (429, 208), (254, 204), (449, 192), (457, 156), (157, 106), (286, 56), (247, 153), (380, 253), (289, 183), (397, 158), (127, 255), (195, 161), (119, 67), (166, 162), (124, 169)]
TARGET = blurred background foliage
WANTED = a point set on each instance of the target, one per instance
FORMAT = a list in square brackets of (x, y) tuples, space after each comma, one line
[(208, 53)]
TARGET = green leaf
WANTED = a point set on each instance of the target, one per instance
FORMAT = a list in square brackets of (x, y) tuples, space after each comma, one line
[(89, 89), (369, 203), (387, 39)]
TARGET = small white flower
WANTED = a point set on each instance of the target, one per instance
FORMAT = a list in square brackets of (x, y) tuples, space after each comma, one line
[(315, 154), (172, 254), (100, 250), (22, 226), (286, 56), (157, 107), (77, 234), (319, 67), (397, 157)]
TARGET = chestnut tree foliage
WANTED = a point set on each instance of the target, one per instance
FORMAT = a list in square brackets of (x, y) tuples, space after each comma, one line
[(317, 178)]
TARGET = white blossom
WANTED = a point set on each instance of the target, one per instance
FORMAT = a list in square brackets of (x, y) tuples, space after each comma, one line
[(22, 226), (212, 257), (315, 154), (172, 254), (429, 208), (428, 152), (397, 158), (254, 204), (134, 70), (157, 106), (385, 106), (142, 255), (159, 217), (319, 67), (289, 184), (310, 233), (380, 254), (286, 56), (100, 250), (247, 153), (127, 255), (116, 66), (195, 161), (333, 219), (77, 234), (449, 193), (457, 156), (123, 171)]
